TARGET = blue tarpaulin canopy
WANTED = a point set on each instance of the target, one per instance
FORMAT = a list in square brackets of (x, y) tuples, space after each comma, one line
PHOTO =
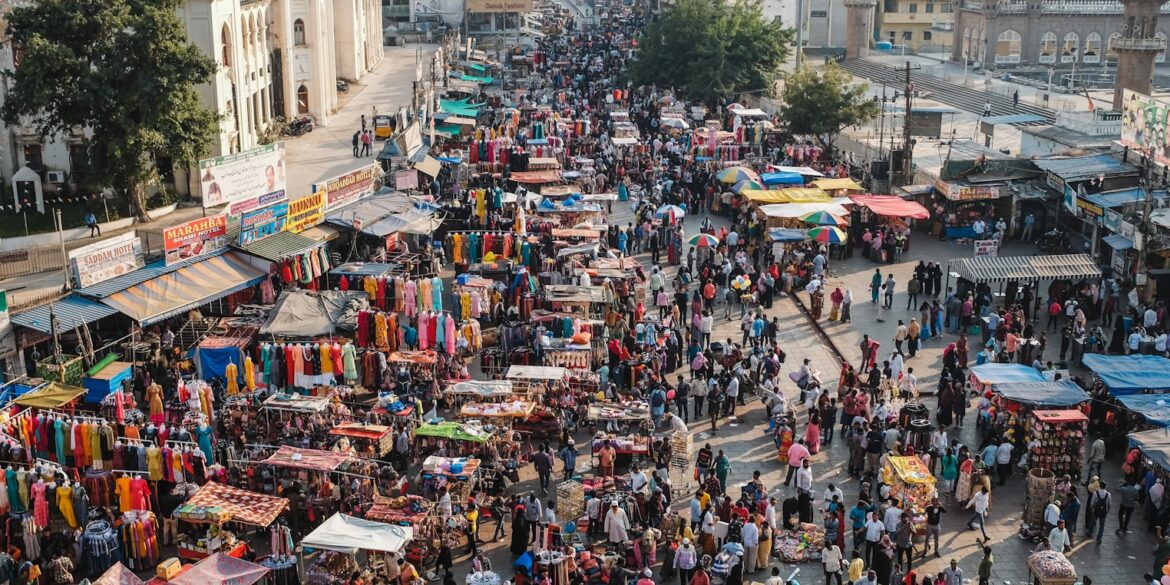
[(1057, 394), (1130, 374), (996, 374), (1155, 408), (787, 235), (782, 179), (1154, 444)]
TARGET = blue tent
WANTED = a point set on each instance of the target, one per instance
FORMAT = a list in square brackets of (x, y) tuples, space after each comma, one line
[(782, 179), (1130, 374), (996, 374), (1155, 408), (1056, 394)]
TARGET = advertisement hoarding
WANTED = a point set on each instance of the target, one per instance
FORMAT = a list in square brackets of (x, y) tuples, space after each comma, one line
[(986, 248), (262, 223), (407, 179), (195, 238), (305, 212), (106, 259), (350, 187), (499, 6), (255, 174), (1143, 124)]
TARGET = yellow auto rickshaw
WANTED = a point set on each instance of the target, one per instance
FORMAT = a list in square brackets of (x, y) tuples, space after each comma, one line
[(383, 127)]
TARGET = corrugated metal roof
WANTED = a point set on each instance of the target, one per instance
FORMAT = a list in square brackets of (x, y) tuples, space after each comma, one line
[(1027, 268), (72, 311), (151, 271), (386, 202), (1121, 197), (1083, 167), (278, 246)]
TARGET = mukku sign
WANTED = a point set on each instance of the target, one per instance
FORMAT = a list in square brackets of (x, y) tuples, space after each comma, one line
[(305, 212), (499, 6)]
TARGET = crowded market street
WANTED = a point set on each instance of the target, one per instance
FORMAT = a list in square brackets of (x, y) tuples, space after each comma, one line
[(585, 334)]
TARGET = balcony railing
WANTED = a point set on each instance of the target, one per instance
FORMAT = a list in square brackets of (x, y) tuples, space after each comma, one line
[(1136, 44), (1088, 7)]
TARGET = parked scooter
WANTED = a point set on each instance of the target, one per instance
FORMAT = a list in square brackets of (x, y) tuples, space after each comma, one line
[(299, 126)]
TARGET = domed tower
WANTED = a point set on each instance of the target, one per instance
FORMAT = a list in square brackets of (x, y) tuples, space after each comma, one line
[(1137, 47)]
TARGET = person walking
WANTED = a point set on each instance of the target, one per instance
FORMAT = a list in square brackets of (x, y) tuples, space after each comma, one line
[(1095, 460), (1016, 100), (934, 514), (91, 222), (981, 502), (912, 289), (1029, 224), (875, 285), (900, 335), (1127, 501), (357, 143), (543, 462), (888, 287), (831, 558), (985, 565), (1099, 504), (686, 558), (367, 138)]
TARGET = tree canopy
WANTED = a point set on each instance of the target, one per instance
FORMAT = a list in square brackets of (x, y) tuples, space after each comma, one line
[(824, 103), (712, 48), (124, 69)]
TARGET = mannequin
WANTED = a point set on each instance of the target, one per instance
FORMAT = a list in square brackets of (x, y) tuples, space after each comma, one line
[(40, 504), (203, 435)]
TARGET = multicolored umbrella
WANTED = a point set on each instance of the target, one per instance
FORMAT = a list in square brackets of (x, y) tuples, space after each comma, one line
[(822, 218), (703, 241), (747, 184), (827, 235), (670, 211), (733, 175)]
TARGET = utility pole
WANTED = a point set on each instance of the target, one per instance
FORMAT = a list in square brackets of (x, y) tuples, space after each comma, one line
[(907, 169)]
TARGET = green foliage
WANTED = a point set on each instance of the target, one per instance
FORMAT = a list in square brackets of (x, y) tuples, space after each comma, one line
[(121, 67), (823, 103), (712, 48)]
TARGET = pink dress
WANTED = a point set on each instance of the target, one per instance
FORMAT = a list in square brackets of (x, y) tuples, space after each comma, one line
[(40, 504), (449, 334), (408, 292)]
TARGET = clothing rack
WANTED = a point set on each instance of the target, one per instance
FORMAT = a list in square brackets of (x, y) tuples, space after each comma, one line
[(494, 232), (128, 472), (81, 417), (177, 442)]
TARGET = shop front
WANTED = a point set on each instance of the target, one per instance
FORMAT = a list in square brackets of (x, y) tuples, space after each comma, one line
[(955, 207)]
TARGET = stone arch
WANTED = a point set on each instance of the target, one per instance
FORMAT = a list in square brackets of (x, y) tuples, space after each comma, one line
[(1070, 48), (1048, 47), (1092, 50), (1008, 47), (225, 39)]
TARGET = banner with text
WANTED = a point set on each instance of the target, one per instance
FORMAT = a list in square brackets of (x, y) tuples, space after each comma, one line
[(352, 186), (407, 179), (106, 259), (305, 212), (195, 238), (262, 223), (1143, 124), (246, 179), (499, 6), (986, 248)]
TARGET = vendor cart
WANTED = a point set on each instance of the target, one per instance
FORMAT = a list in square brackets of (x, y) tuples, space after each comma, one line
[(1050, 567)]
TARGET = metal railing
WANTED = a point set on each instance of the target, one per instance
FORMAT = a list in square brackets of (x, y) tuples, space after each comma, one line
[(30, 261)]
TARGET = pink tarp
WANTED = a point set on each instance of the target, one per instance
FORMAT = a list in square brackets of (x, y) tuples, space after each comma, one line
[(118, 575), (223, 570), (312, 459), (891, 206)]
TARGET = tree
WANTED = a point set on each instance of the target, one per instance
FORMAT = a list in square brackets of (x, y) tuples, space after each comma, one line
[(124, 69), (824, 103), (712, 49)]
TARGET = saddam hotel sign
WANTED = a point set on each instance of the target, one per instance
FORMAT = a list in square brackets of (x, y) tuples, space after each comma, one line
[(499, 6)]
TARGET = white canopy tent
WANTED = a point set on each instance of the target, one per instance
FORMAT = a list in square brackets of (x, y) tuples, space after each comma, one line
[(347, 534), (790, 210)]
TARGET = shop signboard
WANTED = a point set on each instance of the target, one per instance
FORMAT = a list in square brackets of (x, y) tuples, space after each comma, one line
[(1111, 220), (306, 212), (1117, 263), (106, 259), (986, 248), (484, 6), (1144, 122), (194, 238), (8, 337), (255, 174), (407, 179), (1070, 199), (262, 223), (350, 187), (966, 192)]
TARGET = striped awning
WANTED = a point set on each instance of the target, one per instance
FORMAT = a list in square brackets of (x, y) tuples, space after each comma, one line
[(184, 289), (1027, 268)]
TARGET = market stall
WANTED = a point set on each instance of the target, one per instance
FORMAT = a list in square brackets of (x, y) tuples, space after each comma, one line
[(912, 484), (221, 569), (512, 409), (367, 440), (986, 377), (1019, 399), (1152, 409), (1130, 374), (531, 379), (1056, 440), (1051, 567), (215, 505)]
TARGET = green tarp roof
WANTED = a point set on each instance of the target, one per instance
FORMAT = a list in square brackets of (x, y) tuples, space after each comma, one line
[(450, 430)]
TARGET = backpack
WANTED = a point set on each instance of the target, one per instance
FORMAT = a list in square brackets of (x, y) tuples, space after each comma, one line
[(1101, 505), (658, 398)]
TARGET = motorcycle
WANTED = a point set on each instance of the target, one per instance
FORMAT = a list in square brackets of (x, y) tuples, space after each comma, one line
[(1053, 241), (299, 126), (342, 86)]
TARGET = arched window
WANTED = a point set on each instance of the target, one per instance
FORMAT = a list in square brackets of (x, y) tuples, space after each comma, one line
[(225, 38), (302, 100), (299, 32), (1092, 53), (1007, 47), (1048, 48), (1072, 44), (1110, 53)]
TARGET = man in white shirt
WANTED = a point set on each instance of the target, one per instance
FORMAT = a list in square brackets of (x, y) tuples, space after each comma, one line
[(1134, 341), (750, 534), (804, 479), (1051, 515), (1058, 537), (981, 502), (1003, 460), (978, 228), (1150, 318), (732, 241), (873, 535), (831, 562), (892, 518), (638, 480), (676, 424)]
